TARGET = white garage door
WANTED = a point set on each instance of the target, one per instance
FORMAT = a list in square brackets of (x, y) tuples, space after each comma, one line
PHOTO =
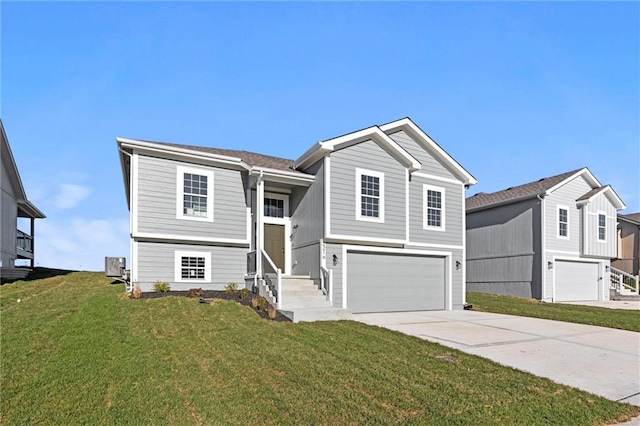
[(394, 282), (576, 281)]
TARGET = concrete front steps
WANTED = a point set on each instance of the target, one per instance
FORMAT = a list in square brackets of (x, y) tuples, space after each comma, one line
[(302, 300), (623, 295)]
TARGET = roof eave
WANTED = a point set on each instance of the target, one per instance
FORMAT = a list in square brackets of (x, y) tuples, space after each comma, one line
[(30, 209), (505, 202)]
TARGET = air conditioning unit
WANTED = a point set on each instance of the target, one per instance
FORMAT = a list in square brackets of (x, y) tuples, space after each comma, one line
[(115, 267)]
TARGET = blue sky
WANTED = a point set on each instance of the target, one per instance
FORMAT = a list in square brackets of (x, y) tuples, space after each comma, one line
[(513, 91)]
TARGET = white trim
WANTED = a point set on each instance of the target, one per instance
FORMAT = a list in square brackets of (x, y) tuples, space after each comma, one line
[(589, 176), (327, 195), (463, 267), (180, 172), (434, 245), (346, 248), (277, 190), (179, 254), (425, 208), (338, 238), (601, 213), (134, 261), (558, 208), (438, 178), (358, 195), (570, 253), (407, 217), (543, 244), (613, 198), (134, 192), (248, 193), (152, 236)]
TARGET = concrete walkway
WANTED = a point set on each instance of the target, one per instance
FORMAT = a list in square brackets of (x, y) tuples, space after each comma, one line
[(610, 304), (599, 360)]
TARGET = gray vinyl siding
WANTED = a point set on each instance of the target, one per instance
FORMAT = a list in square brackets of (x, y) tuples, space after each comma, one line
[(156, 261), (366, 155), (307, 208), (429, 164), (565, 196), (503, 246), (336, 249), (591, 246), (9, 223), (157, 198), (306, 260), (453, 211)]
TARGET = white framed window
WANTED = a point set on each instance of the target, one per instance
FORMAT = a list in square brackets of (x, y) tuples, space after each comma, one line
[(192, 267), (369, 195), (602, 227), (276, 205), (433, 211), (194, 194), (563, 222)]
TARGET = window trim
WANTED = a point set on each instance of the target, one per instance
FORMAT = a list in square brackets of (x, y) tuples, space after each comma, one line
[(598, 214), (358, 200), (276, 196), (562, 237), (180, 172), (425, 208), (179, 254)]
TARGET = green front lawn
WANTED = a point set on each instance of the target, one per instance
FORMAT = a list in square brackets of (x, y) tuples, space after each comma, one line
[(590, 315), (74, 350)]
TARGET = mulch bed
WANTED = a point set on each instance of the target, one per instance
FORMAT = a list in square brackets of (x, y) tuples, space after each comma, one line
[(217, 294)]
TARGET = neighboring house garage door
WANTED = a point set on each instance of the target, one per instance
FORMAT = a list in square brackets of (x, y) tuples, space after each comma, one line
[(576, 281), (394, 282)]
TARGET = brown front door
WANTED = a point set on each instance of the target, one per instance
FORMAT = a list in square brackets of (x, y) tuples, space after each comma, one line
[(274, 243)]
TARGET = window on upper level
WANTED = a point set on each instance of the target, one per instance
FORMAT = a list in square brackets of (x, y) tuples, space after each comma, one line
[(370, 195), (194, 194), (563, 222), (433, 208), (602, 227)]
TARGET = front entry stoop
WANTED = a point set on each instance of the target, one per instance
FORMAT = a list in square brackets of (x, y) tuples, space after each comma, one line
[(302, 300)]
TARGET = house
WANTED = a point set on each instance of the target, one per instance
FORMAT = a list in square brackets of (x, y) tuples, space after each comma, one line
[(552, 239), (16, 244), (369, 221), (628, 244)]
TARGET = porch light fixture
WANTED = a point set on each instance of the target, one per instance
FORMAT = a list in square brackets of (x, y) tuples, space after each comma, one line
[(550, 265), (458, 265), (606, 268), (335, 260)]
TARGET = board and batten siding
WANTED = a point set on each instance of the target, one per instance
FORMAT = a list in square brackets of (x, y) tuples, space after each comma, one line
[(306, 260), (306, 206), (565, 196), (453, 211), (344, 198), (156, 262), (336, 249), (157, 198), (591, 246), (9, 221), (503, 246), (429, 164)]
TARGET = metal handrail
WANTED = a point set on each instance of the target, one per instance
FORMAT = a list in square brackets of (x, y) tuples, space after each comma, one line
[(277, 292), (619, 281)]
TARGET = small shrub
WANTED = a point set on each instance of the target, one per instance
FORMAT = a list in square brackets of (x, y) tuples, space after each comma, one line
[(263, 304), (254, 302), (136, 293), (194, 292), (161, 286), (231, 288), (244, 293), (271, 311)]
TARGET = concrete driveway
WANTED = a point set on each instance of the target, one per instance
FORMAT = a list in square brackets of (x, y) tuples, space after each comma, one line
[(599, 360)]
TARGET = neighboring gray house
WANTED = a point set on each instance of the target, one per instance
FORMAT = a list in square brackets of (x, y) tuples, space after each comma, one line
[(552, 239), (628, 259), (374, 218), (16, 244)]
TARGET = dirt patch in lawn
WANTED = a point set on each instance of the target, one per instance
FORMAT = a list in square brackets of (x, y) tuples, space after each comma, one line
[(206, 295)]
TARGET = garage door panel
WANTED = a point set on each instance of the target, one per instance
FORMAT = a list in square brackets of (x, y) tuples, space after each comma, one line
[(576, 281), (393, 282)]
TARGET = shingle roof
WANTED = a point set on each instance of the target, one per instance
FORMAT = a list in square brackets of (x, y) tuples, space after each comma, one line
[(251, 158), (635, 217), (593, 192), (527, 190)]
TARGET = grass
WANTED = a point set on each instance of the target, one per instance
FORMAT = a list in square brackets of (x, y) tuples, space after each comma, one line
[(590, 315), (75, 351)]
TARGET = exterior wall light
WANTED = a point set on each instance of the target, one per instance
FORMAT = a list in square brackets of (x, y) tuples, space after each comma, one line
[(458, 264), (335, 260), (550, 265)]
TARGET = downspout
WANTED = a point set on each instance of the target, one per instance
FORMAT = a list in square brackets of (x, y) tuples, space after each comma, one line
[(543, 253), (259, 225)]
